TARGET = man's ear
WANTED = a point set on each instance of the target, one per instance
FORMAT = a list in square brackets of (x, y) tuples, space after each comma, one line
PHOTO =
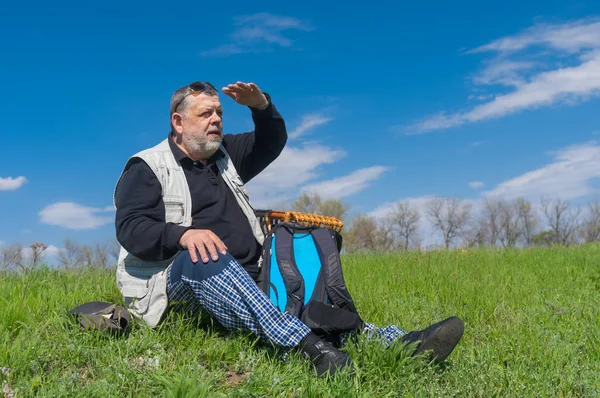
[(177, 122)]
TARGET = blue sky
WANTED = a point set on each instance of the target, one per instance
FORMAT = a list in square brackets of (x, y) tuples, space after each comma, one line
[(383, 101)]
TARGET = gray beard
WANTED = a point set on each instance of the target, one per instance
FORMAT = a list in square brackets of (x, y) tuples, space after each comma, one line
[(205, 148)]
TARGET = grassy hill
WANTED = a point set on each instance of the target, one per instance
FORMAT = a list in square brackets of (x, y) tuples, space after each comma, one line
[(532, 328)]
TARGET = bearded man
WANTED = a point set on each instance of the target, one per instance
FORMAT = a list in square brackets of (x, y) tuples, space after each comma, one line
[(189, 234)]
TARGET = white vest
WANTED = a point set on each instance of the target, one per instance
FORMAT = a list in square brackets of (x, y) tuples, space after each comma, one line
[(143, 284)]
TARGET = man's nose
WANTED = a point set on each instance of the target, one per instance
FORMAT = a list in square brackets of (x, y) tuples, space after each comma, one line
[(215, 118)]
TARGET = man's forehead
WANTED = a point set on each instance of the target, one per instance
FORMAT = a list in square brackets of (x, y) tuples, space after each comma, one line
[(205, 101)]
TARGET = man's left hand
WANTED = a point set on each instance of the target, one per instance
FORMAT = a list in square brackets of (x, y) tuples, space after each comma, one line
[(247, 94)]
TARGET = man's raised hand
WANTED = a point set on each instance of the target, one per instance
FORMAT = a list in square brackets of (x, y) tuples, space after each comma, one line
[(202, 240), (247, 94)]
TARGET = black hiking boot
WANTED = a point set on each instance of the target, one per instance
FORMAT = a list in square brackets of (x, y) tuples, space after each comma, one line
[(439, 338), (323, 355)]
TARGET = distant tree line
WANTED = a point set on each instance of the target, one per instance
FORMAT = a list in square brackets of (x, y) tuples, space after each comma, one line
[(455, 222), (451, 222), (72, 255)]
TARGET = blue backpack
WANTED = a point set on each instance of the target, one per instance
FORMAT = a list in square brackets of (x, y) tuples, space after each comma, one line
[(301, 272)]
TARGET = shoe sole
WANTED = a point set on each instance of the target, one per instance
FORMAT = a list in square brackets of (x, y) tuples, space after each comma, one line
[(443, 341)]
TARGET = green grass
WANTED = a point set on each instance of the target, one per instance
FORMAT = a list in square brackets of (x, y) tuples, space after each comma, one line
[(532, 328)]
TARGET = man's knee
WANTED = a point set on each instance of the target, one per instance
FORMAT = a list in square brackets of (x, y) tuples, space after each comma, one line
[(199, 270)]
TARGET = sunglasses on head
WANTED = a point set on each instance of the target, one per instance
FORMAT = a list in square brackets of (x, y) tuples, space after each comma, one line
[(195, 88), (198, 87)]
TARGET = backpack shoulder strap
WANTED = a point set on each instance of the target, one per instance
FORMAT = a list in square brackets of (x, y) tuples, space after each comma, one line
[(327, 246), (279, 277), (294, 283)]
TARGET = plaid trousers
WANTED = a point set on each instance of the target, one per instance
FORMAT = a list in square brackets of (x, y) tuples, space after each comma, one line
[(227, 292)]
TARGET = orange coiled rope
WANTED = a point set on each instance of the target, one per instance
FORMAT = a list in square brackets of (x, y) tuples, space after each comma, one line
[(268, 218)]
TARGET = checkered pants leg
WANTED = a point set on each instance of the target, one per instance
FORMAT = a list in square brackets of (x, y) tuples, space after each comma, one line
[(236, 302), (387, 334)]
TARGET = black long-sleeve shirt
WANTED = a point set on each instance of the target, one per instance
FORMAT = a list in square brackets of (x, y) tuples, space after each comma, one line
[(140, 216)]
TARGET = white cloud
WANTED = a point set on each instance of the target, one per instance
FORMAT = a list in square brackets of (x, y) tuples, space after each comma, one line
[(50, 252), (26, 253), (481, 97), (347, 185), (535, 84), (296, 166), (11, 184), (75, 216), (567, 177), (547, 88), (504, 72), (571, 37), (258, 32), (298, 169), (307, 123), (476, 184), (53, 251)]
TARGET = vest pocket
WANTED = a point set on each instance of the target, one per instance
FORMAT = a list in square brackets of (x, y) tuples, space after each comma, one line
[(174, 210), (132, 286), (142, 304), (138, 299)]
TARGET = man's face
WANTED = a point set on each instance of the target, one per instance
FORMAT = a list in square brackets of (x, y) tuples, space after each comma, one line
[(202, 125)]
